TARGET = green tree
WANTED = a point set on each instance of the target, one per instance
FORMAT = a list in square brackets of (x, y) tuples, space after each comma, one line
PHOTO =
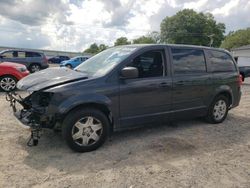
[(156, 36), (102, 47), (122, 41), (236, 39), (144, 40), (190, 27), (94, 48)]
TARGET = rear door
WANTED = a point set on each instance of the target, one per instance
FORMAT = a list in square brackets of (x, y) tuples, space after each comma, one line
[(148, 97), (191, 81), (33, 57)]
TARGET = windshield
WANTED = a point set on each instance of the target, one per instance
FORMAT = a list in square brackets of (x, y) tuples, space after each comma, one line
[(105, 61)]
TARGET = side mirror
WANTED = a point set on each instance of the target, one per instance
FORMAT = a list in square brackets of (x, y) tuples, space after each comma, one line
[(129, 72)]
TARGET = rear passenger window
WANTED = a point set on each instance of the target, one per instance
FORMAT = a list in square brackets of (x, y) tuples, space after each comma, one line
[(32, 54), (220, 61), (187, 61), (20, 55)]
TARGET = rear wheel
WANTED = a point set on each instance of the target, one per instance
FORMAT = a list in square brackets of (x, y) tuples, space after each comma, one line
[(8, 83), (34, 68), (85, 130), (218, 110)]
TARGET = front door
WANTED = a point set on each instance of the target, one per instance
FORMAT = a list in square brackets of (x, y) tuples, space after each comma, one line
[(148, 97)]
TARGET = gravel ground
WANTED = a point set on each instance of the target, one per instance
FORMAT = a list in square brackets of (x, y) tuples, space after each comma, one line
[(186, 154)]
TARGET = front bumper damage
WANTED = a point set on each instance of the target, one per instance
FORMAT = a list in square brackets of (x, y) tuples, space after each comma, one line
[(28, 114)]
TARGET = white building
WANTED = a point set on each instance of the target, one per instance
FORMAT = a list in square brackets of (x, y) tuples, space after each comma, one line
[(243, 51), (48, 53), (242, 55)]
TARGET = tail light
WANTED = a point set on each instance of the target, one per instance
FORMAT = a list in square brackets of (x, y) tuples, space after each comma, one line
[(240, 81), (45, 59)]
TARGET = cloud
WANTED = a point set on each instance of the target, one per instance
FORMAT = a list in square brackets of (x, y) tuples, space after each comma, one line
[(226, 9), (34, 12), (120, 12), (16, 34), (74, 24)]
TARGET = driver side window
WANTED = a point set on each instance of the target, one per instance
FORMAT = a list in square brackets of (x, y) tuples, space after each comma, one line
[(8, 54), (149, 64)]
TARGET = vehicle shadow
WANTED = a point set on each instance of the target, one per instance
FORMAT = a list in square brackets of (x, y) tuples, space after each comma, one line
[(168, 142)]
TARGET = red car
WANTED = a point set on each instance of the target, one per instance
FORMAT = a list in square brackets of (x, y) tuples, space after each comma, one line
[(10, 73)]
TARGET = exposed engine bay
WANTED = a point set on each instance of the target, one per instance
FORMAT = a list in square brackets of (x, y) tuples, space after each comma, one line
[(31, 114)]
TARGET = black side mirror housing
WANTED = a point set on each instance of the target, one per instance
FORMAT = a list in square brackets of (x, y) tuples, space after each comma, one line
[(129, 73)]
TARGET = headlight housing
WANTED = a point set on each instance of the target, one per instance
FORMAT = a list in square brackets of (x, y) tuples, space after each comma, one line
[(41, 98), (21, 69)]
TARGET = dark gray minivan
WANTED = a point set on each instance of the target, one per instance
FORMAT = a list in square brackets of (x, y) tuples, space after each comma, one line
[(129, 86), (34, 61)]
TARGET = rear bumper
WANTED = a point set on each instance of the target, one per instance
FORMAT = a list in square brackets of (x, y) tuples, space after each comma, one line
[(236, 100), (44, 66)]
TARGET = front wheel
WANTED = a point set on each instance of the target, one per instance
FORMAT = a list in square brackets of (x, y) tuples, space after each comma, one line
[(8, 83), (85, 130), (34, 68), (218, 110)]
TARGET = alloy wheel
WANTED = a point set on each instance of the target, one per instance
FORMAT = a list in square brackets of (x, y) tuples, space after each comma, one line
[(220, 109), (35, 68), (8, 83), (87, 131)]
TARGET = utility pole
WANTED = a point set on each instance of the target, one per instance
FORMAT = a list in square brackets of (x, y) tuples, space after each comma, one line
[(211, 39)]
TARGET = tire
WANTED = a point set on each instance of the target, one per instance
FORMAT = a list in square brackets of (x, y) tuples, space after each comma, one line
[(89, 134), (8, 83), (69, 66), (34, 68), (218, 110)]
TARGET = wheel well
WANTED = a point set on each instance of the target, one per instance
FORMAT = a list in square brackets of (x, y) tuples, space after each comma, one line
[(34, 64), (8, 75), (103, 108), (228, 95)]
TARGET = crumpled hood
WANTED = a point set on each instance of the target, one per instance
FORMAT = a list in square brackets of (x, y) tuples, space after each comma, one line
[(48, 78)]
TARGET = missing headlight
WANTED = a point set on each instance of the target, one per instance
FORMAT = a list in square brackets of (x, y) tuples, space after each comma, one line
[(41, 98)]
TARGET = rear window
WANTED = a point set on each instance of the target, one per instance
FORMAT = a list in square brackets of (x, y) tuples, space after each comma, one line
[(186, 61), (220, 61), (32, 54)]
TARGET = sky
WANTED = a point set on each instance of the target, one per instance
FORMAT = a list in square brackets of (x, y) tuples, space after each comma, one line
[(73, 25)]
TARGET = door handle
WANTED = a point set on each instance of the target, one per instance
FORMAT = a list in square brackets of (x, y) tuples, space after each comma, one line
[(164, 84), (180, 83)]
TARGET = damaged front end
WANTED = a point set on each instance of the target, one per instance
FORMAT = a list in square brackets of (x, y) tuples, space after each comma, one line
[(30, 111)]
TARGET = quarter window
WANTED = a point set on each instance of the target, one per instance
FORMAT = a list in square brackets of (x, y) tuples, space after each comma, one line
[(187, 61), (32, 54), (149, 64), (220, 61)]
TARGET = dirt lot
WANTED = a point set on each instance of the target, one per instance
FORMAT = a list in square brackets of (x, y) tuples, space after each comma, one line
[(188, 154)]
